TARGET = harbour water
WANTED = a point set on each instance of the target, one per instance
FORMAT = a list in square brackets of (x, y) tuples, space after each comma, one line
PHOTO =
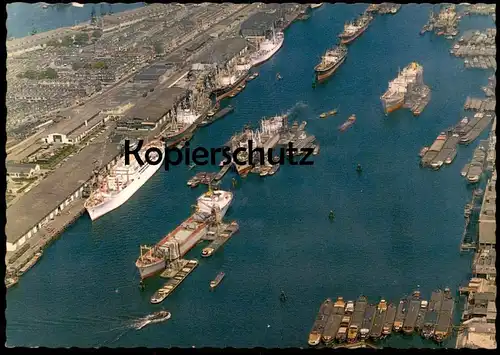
[(22, 18), (397, 226)]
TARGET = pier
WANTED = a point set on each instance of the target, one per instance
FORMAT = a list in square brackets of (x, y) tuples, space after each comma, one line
[(476, 104), (468, 243)]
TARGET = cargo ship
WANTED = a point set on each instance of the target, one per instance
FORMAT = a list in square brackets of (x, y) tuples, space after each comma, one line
[(412, 314), (378, 320), (409, 78), (353, 30), (178, 242), (431, 317), (330, 62), (366, 327), (215, 282), (184, 121), (444, 323), (357, 319), (389, 320), (267, 48), (350, 121), (320, 322), (227, 81), (123, 181), (400, 314), (333, 323)]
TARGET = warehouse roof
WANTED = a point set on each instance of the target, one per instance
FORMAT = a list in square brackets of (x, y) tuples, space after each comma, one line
[(156, 104), (45, 197), (222, 51), (261, 21)]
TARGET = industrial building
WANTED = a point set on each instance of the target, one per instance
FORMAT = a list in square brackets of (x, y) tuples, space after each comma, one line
[(222, 53), (151, 111), (24, 171), (487, 221)]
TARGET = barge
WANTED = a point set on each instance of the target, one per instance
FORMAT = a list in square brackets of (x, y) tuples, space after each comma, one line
[(431, 317), (444, 323), (389, 320), (400, 314), (319, 325), (367, 321), (160, 295), (412, 314), (333, 323), (357, 319), (378, 320)]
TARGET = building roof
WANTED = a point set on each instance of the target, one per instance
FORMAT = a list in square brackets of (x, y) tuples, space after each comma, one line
[(20, 168), (153, 72), (75, 119), (90, 123), (45, 197), (156, 104), (222, 51), (259, 23), (487, 215)]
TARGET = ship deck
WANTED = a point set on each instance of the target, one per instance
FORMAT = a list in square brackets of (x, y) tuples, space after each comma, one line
[(378, 323), (390, 316), (449, 146), (444, 319), (478, 128), (411, 316)]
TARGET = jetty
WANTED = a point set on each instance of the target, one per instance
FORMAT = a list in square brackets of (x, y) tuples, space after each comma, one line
[(219, 237)]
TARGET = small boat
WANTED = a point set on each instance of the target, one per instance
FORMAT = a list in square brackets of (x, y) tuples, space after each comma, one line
[(274, 169), (359, 168), (350, 121), (437, 164), (464, 171), (214, 283), (11, 281), (30, 263), (323, 115), (264, 172), (192, 166), (331, 215), (205, 253), (478, 192), (156, 317), (316, 150), (278, 76), (332, 112)]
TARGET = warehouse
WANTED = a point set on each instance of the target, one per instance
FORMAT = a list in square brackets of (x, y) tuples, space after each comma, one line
[(258, 25), (222, 53)]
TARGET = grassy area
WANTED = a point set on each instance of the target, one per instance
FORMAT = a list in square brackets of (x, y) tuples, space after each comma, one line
[(57, 158), (48, 73)]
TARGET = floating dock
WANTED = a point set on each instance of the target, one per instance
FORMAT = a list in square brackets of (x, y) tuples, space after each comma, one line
[(167, 289), (226, 231)]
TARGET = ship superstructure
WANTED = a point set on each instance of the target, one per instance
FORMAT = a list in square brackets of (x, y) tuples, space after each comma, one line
[(123, 181), (354, 29), (227, 79), (185, 118), (332, 59), (408, 83), (267, 48), (178, 242)]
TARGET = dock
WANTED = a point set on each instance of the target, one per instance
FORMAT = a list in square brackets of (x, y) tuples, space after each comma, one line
[(167, 289), (220, 238)]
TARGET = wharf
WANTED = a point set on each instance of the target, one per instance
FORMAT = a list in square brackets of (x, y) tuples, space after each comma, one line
[(480, 63), (466, 243), (225, 232), (476, 104), (175, 281)]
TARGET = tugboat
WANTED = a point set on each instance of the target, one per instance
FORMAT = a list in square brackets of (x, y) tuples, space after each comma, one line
[(350, 121), (156, 317), (214, 283)]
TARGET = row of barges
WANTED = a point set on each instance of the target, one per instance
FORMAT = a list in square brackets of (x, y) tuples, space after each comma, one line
[(341, 321)]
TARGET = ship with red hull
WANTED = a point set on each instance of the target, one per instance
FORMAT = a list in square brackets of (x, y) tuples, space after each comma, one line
[(353, 30), (178, 242)]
